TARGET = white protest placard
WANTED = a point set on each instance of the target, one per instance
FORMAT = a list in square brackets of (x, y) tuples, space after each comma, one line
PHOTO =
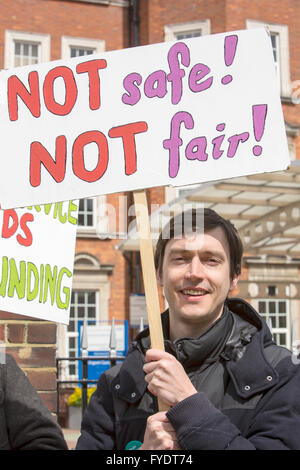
[(37, 255), (197, 110)]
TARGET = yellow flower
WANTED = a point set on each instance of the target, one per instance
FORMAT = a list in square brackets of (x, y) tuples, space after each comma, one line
[(75, 398)]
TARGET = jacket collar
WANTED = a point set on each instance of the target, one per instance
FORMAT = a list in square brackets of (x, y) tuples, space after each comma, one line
[(246, 363), (243, 353)]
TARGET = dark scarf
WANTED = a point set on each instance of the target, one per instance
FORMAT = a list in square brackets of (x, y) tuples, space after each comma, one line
[(202, 351)]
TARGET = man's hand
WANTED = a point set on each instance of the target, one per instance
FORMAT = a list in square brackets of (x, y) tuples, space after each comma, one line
[(159, 434), (166, 377)]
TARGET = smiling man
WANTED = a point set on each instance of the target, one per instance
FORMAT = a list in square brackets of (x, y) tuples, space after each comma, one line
[(225, 381)]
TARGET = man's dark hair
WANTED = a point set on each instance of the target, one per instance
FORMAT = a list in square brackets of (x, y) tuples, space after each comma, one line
[(198, 220)]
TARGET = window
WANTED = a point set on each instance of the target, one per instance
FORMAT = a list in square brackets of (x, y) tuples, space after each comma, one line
[(83, 307), (75, 47), (187, 30), (279, 36), (80, 51), (275, 41), (26, 53), (89, 301), (93, 218), (187, 35), (86, 213), (25, 48), (276, 314), (275, 47), (272, 290)]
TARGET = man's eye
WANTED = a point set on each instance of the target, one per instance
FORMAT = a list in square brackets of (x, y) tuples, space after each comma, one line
[(212, 261)]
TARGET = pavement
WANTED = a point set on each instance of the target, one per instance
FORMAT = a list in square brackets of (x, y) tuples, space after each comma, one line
[(71, 437)]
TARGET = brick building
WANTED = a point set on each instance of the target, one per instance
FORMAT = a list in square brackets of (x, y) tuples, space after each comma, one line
[(107, 279)]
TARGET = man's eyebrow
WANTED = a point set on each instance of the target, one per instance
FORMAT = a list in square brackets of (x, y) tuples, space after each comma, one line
[(180, 251), (184, 251)]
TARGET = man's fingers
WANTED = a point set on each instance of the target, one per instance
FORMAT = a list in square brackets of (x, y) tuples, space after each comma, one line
[(160, 434), (163, 364), (169, 429), (157, 354), (159, 416), (150, 367), (160, 421)]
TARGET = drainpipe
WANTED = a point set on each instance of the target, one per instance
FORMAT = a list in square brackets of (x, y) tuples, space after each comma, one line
[(134, 23)]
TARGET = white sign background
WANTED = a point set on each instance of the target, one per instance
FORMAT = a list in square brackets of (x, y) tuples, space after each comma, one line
[(99, 337), (43, 240), (221, 109)]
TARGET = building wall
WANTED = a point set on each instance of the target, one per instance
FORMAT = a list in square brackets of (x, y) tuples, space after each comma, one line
[(58, 18), (156, 14), (32, 343)]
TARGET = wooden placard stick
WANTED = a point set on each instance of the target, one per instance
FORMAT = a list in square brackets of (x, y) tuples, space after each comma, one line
[(149, 276)]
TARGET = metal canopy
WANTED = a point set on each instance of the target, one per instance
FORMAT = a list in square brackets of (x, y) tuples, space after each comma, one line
[(265, 208)]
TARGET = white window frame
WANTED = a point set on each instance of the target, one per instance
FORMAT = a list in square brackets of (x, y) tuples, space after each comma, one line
[(88, 275), (284, 57), (172, 30), (83, 43), (43, 40), (90, 228), (75, 334), (287, 329), (100, 227)]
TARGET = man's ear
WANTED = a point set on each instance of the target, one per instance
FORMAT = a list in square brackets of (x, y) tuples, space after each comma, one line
[(158, 277), (233, 283)]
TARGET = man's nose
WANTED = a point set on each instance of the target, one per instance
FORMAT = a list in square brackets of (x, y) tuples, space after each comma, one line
[(195, 269)]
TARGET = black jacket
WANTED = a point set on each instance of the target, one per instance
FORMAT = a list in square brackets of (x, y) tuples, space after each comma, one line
[(25, 422), (248, 393)]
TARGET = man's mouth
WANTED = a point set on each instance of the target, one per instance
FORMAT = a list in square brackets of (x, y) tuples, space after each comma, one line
[(194, 292)]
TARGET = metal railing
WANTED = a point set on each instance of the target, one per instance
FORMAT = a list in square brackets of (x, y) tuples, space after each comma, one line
[(84, 381), (112, 358)]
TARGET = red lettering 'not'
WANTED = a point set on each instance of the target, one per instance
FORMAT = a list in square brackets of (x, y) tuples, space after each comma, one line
[(78, 156), (70, 94), (39, 155), (91, 67), (127, 133), (15, 89)]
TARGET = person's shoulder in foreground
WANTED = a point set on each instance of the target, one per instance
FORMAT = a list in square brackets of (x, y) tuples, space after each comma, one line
[(25, 422)]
